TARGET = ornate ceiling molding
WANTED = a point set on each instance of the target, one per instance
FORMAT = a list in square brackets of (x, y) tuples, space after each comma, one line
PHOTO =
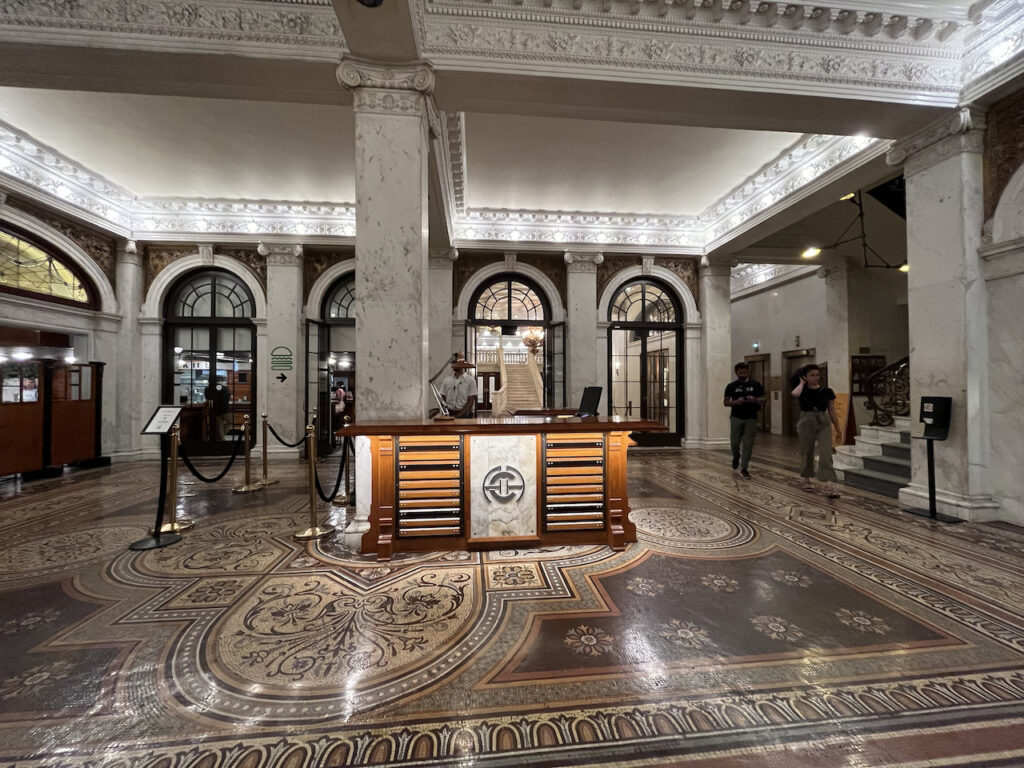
[(747, 279), (299, 30), (995, 50), (785, 47)]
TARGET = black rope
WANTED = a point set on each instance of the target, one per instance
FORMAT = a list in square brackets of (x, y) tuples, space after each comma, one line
[(337, 484), (194, 471), (277, 437)]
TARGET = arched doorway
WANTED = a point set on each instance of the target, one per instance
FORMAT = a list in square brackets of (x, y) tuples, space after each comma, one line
[(209, 358), (331, 359), (645, 357), (509, 316)]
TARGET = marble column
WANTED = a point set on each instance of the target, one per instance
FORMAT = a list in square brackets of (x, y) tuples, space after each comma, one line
[(392, 324), (283, 399), (440, 263), (151, 353), (583, 369), (942, 165), (123, 376), (836, 349), (716, 351)]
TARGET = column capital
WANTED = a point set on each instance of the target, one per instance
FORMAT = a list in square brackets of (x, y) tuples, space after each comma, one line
[(963, 130), (128, 252), (283, 255), (407, 76), (442, 258), (582, 261)]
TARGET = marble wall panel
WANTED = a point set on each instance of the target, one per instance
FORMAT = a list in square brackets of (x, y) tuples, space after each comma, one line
[(503, 492)]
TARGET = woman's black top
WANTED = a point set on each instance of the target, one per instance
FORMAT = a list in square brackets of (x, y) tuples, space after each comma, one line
[(816, 399)]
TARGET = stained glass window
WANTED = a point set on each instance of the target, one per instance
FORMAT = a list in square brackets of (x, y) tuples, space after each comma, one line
[(507, 299), (25, 267), (643, 302), (341, 302), (213, 294)]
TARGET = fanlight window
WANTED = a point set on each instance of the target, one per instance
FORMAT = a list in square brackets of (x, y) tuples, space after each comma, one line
[(213, 294), (508, 300), (341, 302), (24, 267), (643, 302)]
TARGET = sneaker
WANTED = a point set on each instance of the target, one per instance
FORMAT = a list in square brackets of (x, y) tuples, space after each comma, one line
[(831, 492), (744, 473), (735, 462)]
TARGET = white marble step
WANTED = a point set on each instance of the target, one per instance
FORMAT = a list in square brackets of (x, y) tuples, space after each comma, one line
[(901, 423), (881, 434), (846, 457)]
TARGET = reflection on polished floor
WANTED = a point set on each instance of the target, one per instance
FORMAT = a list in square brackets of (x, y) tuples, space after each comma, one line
[(753, 624)]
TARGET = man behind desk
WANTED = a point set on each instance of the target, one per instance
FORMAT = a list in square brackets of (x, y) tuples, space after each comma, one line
[(458, 390)]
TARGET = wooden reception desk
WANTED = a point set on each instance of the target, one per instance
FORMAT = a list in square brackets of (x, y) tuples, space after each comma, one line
[(521, 481)]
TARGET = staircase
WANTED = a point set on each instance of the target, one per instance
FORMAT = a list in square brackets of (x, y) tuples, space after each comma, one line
[(520, 389), (879, 461)]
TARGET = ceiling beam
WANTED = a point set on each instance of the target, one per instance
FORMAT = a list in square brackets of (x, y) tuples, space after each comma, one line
[(383, 34)]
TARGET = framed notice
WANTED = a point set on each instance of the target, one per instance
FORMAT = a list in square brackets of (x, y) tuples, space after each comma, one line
[(162, 420)]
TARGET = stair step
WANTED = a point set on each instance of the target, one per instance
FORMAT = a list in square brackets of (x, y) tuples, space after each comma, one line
[(881, 434), (897, 468), (896, 450), (876, 482), (902, 423)]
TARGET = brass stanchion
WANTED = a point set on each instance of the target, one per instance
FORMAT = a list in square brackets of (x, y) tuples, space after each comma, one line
[(266, 480), (249, 485), (314, 531), (174, 525)]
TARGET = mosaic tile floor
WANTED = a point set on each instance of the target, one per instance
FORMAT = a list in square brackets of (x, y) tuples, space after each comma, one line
[(753, 624)]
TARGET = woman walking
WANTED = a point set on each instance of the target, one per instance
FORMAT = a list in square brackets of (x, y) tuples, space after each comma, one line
[(817, 409)]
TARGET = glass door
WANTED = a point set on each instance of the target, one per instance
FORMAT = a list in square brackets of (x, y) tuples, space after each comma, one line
[(644, 380), (555, 378), (318, 391)]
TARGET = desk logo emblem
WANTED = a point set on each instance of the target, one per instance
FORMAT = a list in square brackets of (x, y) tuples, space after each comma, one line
[(503, 484)]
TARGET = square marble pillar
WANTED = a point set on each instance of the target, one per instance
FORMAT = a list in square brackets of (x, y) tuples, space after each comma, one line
[(283, 400), (583, 369), (947, 312), (392, 326), (716, 351), (440, 261), (122, 377), (836, 349)]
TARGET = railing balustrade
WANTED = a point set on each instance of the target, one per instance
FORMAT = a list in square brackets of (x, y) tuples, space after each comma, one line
[(888, 392)]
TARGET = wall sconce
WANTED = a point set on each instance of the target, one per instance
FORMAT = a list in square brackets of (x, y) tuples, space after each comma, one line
[(756, 346), (617, 364)]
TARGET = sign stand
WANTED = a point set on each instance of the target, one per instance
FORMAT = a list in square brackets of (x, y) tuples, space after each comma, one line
[(160, 423)]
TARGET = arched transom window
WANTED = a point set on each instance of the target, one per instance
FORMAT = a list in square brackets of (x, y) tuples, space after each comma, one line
[(643, 301), (509, 299), (212, 294), (340, 303), (26, 268)]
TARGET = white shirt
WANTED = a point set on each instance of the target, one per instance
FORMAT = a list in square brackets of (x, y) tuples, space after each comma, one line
[(457, 390)]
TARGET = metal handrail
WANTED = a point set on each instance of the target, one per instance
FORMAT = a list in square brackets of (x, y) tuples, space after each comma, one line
[(888, 392)]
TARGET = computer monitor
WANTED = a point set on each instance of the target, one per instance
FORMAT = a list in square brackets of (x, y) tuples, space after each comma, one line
[(589, 402)]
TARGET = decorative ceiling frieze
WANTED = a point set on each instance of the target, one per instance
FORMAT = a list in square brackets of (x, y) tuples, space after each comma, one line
[(784, 46), (304, 30), (752, 278)]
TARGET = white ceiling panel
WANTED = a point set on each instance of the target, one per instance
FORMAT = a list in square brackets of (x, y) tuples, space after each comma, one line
[(555, 164), (198, 148)]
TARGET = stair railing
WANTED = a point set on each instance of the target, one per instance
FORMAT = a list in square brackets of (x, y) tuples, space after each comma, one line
[(499, 396), (888, 392), (538, 381)]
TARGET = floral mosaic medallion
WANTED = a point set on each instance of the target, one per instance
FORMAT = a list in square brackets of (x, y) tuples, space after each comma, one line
[(792, 578), (514, 576), (719, 582), (777, 628), (212, 591), (30, 621), (689, 528), (685, 633), (65, 552), (638, 585), (863, 622), (588, 641), (35, 679)]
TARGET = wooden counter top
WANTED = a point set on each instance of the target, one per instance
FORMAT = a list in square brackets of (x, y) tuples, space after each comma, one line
[(509, 425)]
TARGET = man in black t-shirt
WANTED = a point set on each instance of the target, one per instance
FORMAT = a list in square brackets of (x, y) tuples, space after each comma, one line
[(745, 397)]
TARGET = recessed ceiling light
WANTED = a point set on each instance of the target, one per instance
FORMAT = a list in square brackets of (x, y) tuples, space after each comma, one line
[(810, 252), (848, 196), (904, 267)]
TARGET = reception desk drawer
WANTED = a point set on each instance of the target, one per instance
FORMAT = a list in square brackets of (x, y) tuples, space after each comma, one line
[(574, 482), (428, 489)]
